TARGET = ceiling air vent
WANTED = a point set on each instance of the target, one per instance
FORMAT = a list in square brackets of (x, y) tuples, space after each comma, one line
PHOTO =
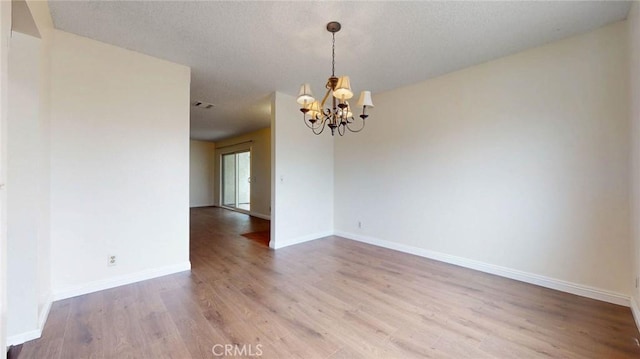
[(204, 105)]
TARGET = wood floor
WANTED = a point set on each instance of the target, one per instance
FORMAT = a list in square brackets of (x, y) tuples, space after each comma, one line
[(330, 298)]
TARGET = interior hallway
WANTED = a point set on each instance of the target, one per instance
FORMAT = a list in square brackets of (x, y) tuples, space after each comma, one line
[(330, 298)]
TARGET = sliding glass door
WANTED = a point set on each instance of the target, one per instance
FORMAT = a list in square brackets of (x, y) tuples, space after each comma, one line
[(236, 180)]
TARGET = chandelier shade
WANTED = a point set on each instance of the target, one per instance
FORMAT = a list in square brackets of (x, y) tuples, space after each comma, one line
[(305, 96), (334, 110), (343, 89), (314, 110), (365, 99)]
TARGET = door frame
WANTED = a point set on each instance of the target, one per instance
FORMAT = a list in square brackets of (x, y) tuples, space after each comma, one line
[(220, 155)]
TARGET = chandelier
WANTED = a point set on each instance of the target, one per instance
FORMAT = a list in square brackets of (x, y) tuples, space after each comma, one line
[(337, 115)]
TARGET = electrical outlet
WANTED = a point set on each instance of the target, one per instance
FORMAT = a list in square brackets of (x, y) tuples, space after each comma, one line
[(111, 260)]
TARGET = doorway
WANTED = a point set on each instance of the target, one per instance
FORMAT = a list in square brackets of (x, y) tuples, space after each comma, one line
[(236, 180)]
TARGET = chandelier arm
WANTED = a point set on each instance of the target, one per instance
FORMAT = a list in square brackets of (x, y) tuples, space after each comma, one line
[(320, 127), (330, 119), (341, 133), (308, 123), (312, 126), (358, 130)]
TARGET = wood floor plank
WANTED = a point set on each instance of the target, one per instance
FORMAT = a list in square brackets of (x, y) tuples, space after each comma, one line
[(50, 343), (83, 335), (123, 334), (317, 338), (196, 332), (168, 347), (330, 298)]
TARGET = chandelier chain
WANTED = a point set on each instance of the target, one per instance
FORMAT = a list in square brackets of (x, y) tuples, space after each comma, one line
[(333, 55)]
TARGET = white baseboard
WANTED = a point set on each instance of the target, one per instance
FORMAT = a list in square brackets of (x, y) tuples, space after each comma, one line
[(44, 312), (119, 280), (260, 215), (557, 284), (289, 242), (36, 333), (202, 205), (635, 311), (251, 213), (24, 337)]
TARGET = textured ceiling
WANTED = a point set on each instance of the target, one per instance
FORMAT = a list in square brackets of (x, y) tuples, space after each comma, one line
[(240, 52)]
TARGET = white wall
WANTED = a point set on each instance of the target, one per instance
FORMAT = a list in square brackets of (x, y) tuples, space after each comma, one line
[(119, 165), (25, 187), (259, 142), (44, 174), (39, 10), (302, 179), (201, 173), (517, 166), (633, 23), (28, 174), (5, 34)]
